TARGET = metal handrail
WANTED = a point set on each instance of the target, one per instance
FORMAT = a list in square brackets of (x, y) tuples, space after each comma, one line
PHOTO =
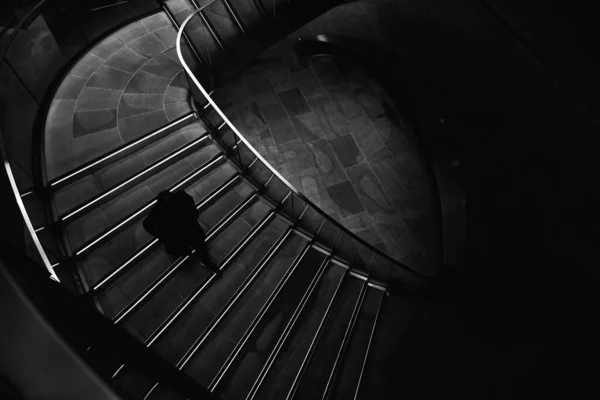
[(264, 161), (6, 163)]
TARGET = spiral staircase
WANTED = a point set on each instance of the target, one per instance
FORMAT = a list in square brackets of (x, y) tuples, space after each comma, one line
[(298, 306)]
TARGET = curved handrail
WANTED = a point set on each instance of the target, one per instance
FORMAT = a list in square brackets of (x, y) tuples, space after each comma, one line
[(264, 161), (6, 163)]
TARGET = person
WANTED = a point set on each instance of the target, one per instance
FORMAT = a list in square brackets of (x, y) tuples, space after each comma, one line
[(174, 221)]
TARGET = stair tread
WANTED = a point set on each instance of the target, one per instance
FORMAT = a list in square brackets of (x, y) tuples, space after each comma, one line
[(285, 367), (144, 321), (205, 364), (106, 178), (212, 214), (351, 365), (196, 318), (253, 356), (104, 259), (317, 372), (222, 244), (91, 225), (137, 278)]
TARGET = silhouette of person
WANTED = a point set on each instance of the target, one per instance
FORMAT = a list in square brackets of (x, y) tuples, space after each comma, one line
[(174, 221)]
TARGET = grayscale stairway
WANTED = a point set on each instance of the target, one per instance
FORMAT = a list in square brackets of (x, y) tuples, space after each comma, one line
[(294, 312)]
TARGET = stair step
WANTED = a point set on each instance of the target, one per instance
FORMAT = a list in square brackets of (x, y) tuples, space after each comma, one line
[(128, 242), (101, 261), (92, 224), (245, 369), (189, 278), (111, 175), (313, 382), (280, 377), (205, 365), (197, 317), (350, 368), (132, 282), (221, 246)]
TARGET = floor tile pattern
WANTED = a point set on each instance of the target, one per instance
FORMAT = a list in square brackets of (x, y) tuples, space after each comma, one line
[(127, 85), (327, 129)]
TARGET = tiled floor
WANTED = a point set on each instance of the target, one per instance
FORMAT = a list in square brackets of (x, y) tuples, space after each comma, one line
[(329, 129), (128, 85)]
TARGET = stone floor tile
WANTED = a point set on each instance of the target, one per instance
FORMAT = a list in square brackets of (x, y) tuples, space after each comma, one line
[(70, 88), (361, 224), (279, 123), (98, 99), (326, 162), (139, 103), (262, 91), (294, 102), (148, 46), (408, 161), (308, 127), (250, 121), (391, 134), (86, 66), (91, 146), (311, 185), (345, 198), (167, 36), (109, 78), (345, 100), (131, 32), (279, 75), (163, 66), (369, 101), (180, 81), (235, 92), (351, 72), (88, 122), (308, 83), (366, 137), (58, 137), (144, 82), (334, 124), (175, 94), (133, 127), (176, 110), (107, 47), (326, 72), (394, 233), (268, 149), (295, 156), (156, 22), (393, 179), (368, 188), (347, 151), (126, 59)]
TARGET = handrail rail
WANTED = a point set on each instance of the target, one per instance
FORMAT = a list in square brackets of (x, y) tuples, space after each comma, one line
[(264, 161), (6, 163)]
